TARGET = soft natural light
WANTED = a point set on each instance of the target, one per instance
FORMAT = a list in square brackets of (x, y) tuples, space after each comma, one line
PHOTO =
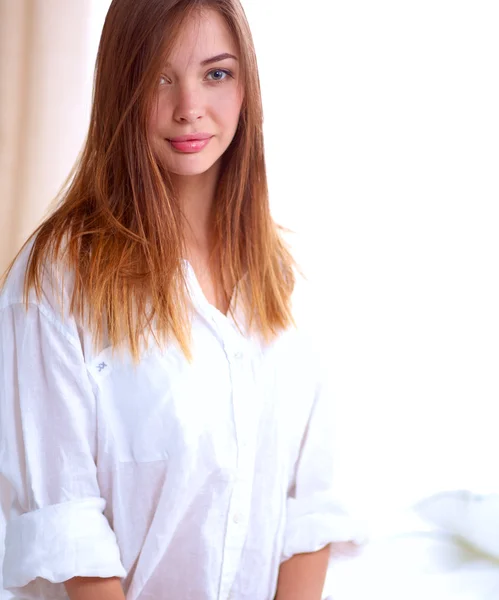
[(382, 151), (382, 134)]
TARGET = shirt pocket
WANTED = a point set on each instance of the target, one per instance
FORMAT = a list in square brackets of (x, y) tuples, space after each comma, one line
[(164, 407), (132, 409)]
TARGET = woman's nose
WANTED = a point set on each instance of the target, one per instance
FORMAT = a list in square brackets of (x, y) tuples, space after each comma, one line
[(190, 106)]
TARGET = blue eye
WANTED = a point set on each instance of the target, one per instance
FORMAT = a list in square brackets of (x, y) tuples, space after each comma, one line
[(220, 72)]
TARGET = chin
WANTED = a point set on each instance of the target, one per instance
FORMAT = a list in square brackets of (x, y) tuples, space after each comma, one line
[(189, 171), (195, 166)]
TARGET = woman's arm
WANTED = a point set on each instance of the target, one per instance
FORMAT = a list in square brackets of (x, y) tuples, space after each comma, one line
[(94, 588), (302, 576), (56, 528)]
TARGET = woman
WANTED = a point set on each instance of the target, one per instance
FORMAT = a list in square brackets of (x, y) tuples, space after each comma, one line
[(164, 426)]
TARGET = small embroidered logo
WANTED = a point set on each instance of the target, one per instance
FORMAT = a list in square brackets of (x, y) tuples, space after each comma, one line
[(101, 366)]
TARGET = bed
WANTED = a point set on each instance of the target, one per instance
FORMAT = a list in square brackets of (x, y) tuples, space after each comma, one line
[(415, 558)]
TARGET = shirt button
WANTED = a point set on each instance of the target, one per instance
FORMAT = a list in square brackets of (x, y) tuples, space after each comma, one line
[(238, 354), (238, 518)]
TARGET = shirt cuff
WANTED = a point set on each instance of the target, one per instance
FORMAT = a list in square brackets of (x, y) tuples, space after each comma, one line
[(58, 542), (313, 523)]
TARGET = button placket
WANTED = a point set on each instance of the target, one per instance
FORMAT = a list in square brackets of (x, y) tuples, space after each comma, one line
[(240, 502), (237, 526)]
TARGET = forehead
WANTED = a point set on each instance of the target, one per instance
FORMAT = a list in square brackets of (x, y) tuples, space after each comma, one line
[(203, 35)]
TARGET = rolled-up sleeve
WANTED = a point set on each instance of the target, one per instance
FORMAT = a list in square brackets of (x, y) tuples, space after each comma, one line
[(315, 516), (55, 523)]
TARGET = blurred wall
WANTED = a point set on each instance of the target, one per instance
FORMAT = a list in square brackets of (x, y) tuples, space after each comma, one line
[(381, 131), (45, 86)]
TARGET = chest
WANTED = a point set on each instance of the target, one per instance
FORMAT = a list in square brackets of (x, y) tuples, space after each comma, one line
[(231, 403), (209, 280), (212, 290)]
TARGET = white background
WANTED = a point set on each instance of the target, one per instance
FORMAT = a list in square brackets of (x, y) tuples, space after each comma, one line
[(382, 139)]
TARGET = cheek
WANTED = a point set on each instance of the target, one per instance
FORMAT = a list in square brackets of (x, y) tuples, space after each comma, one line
[(153, 121), (158, 118), (229, 107)]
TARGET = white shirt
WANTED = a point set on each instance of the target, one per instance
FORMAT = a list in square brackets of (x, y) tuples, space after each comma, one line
[(186, 481)]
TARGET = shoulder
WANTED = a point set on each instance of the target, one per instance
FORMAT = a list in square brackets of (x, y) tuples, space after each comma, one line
[(54, 300), (55, 281), (298, 352), (12, 290), (303, 349)]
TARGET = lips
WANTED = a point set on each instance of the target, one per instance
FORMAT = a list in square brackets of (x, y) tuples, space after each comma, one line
[(191, 137), (190, 146)]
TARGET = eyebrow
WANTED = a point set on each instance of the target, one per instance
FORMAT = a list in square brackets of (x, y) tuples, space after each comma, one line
[(213, 59), (217, 58)]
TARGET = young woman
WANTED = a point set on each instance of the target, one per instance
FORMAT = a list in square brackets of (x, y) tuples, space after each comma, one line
[(165, 426)]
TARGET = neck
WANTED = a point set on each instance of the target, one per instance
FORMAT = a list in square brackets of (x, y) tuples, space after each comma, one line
[(196, 195)]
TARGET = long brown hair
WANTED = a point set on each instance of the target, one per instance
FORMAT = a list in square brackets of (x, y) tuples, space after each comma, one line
[(117, 224)]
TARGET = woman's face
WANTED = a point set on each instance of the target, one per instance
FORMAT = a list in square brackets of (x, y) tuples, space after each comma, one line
[(198, 94)]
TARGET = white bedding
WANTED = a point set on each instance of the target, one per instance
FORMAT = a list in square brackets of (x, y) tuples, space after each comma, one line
[(414, 563)]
